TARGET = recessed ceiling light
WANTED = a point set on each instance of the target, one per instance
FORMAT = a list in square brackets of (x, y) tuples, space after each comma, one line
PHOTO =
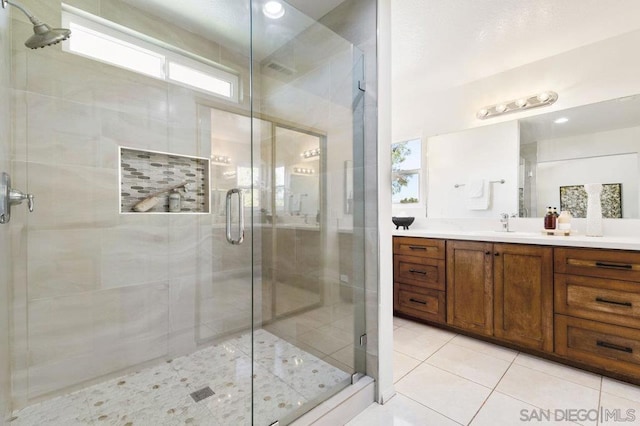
[(273, 9), (561, 120)]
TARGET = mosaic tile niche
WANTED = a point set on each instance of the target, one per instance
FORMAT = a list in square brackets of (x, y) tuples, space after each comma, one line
[(144, 173)]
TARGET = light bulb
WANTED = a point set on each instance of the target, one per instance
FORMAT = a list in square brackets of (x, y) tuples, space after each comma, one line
[(521, 102), (544, 97), (501, 108), (273, 9), (561, 120)]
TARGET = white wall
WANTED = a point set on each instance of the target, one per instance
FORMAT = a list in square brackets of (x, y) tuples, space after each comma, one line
[(489, 153)]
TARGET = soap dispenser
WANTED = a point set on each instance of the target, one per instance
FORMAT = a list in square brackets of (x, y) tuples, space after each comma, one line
[(564, 220), (549, 219), (175, 201)]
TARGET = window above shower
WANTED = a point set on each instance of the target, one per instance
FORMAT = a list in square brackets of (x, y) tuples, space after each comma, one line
[(105, 41)]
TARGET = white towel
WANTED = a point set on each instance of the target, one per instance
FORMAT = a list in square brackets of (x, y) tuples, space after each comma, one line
[(294, 203), (475, 188), (481, 202)]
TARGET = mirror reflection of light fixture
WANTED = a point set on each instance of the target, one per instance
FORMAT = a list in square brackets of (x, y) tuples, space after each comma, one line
[(220, 159), (303, 171), (273, 9), (520, 104), (561, 120), (310, 153)]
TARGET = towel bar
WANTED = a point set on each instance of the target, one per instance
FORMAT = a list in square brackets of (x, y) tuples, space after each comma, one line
[(501, 181)]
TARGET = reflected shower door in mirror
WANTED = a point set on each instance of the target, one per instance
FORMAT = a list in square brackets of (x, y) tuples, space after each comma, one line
[(562, 150)]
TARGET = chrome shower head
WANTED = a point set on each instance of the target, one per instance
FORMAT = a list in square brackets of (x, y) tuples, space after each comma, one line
[(43, 35)]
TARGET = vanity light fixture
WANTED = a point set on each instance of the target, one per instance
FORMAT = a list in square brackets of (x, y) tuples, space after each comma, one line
[(310, 153), (520, 104), (220, 159)]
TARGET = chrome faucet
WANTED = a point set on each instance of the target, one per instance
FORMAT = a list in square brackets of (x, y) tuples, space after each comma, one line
[(504, 220)]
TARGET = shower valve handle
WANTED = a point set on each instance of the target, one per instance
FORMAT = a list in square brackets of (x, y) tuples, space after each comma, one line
[(16, 197), (10, 197)]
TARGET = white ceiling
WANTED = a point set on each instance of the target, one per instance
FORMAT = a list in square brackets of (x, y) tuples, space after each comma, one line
[(315, 9), (228, 21), (446, 43)]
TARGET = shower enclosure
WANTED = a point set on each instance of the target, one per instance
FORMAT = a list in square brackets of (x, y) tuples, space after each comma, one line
[(194, 255)]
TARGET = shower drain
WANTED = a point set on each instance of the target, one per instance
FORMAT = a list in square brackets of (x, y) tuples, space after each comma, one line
[(201, 394)]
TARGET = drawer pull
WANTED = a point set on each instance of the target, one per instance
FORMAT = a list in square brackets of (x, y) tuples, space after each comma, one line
[(614, 347), (613, 302), (613, 265), (417, 248), (415, 271), (422, 302)]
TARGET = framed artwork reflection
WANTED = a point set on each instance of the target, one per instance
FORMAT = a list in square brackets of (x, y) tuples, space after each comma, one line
[(574, 199)]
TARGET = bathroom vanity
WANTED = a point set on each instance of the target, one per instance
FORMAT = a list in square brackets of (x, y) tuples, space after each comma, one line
[(574, 300)]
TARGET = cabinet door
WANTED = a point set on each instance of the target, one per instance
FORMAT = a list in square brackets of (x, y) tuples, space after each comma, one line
[(523, 291), (470, 286)]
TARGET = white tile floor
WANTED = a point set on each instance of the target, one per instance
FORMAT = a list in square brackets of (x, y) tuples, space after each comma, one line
[(442, 378)]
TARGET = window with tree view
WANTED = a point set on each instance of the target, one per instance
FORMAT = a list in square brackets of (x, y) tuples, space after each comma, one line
[(405, 165)]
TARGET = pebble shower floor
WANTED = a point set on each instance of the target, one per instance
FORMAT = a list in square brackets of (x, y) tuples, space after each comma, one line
[(285, 377)]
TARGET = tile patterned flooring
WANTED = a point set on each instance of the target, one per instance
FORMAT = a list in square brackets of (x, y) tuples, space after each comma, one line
[(285, 378), (445, 379)]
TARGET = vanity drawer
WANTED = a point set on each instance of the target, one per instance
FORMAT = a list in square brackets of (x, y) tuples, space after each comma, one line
[(614, 264), (611, 347), (419, 271), (611, 301), (426, 304), (419, 247)]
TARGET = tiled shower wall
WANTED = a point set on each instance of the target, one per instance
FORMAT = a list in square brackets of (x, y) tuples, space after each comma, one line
[(97, 292)]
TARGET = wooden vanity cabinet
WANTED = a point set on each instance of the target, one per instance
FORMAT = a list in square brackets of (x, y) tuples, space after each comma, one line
[(581, 306), (470, 286), (419, 278), (523, 295), (502, 290), (597, 303)]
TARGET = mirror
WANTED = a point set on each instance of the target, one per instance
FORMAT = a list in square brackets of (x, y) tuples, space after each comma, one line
[(557, 153), (562, 150), (297, 171)]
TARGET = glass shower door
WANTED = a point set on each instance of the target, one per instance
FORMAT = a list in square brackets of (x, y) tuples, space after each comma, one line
[(308, 340)]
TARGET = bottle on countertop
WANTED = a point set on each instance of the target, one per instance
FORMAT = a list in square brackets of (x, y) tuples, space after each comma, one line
[(564, 220), (549, 219)]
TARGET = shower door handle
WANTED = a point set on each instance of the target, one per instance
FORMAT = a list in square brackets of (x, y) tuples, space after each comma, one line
[(240, 238)]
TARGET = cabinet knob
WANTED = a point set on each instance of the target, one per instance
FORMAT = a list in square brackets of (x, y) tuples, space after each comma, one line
[(487, 253), (496, 254)]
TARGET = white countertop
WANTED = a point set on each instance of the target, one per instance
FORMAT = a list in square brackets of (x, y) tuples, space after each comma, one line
[(575, 240)]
